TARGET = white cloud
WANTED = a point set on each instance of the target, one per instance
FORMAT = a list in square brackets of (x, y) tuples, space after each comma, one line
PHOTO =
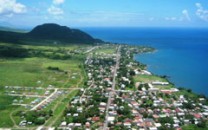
[(8, 7), (58, 2), (55, 10), (201, 12), (186, 15)]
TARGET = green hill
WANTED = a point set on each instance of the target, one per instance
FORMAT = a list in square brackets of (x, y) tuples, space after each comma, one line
[(49, 33)]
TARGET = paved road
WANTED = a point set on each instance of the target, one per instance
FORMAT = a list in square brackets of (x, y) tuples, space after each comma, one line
[(74, 88), (18, 104), (86, 90), (111, 94), (26, 95), (91, 49), (45, 100)]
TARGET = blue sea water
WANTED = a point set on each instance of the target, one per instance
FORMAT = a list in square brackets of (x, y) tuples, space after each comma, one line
[(182, 53)]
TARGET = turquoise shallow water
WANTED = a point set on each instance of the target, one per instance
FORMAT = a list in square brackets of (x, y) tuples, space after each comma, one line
[(182, 53)]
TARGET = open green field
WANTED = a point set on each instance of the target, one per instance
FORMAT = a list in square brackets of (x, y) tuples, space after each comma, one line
[(29, 71), (152, 78), (71, 47), (5, 120), (50, 47), (106, 50), (6, 109), (167, 87), (33, 75), (32, 70), (148, 78)]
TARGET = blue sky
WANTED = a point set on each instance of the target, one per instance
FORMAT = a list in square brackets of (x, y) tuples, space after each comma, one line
[(105, 13)]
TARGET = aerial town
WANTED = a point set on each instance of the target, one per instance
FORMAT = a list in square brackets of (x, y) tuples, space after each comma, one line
[(118, 93), (115, 100), (103, 65)]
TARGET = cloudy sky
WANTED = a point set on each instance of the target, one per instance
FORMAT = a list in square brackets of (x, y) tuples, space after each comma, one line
[(97, 13)]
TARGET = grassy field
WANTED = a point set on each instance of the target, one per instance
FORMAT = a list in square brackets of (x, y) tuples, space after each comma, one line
[(6, 109), (32, 72), (50, 47), (5, 120), (148, 78), (27, 72), (71, 47), (152, 78), (106, 50), (164, 86)]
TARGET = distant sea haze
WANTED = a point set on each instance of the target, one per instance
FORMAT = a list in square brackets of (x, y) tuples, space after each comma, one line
[(182, 52)]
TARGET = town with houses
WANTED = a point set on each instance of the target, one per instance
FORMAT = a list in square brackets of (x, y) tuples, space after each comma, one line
[(118, 94)]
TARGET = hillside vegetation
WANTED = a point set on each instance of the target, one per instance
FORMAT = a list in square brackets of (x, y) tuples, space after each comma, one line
[(48, 33)]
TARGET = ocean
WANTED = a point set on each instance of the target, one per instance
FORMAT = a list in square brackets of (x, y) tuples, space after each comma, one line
[(182, 53)]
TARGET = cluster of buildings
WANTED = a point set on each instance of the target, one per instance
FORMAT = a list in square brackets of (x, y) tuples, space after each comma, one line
[(152, 105), (87, 109), (144, 106)]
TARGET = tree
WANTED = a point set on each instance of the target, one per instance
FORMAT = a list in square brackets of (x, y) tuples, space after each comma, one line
[(31, 116), (50, 112), (202, 124), (166, 120), (13, 51), (39, 121), (132, 73), (189, 90), (188, 105)]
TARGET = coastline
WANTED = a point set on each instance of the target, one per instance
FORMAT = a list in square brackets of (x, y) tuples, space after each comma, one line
[(176, 99), (127, 100), (185, 50), (177, 72), (166, 77)]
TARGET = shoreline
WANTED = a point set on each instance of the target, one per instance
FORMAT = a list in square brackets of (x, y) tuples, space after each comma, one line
[(156, 74), (165, 76)]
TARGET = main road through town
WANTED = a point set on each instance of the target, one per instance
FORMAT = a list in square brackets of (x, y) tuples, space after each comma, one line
[(111, 94)]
